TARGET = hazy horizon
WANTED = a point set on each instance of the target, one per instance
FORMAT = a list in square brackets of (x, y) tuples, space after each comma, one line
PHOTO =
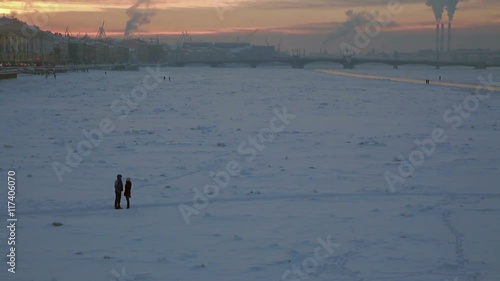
[(312, 25)]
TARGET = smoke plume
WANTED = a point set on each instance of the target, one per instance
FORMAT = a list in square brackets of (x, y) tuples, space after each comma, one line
[(451, 8), (139, 14), (354, 19), (437, 8)]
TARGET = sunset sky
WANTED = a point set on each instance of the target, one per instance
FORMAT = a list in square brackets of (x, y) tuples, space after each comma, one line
[(296, 23)]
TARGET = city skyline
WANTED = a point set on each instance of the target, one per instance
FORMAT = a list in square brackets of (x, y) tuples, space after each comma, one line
[(312, 25)]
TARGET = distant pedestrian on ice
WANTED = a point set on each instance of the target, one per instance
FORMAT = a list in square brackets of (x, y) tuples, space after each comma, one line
[(128, 191), (118, 191), (439, 78)]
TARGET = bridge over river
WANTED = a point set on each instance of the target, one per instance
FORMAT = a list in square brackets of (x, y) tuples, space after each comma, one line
[(347, 63)]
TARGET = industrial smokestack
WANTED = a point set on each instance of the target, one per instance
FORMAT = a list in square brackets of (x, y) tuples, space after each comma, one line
[(437, 38), (438, 9), (449, 36), (451, 7), (442, 37)]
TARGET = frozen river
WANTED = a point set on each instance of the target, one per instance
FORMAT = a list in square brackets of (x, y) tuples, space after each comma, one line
[(254, 174)]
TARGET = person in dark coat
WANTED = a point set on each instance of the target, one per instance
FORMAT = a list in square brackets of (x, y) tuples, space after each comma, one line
[(118, 191), (128, 191)]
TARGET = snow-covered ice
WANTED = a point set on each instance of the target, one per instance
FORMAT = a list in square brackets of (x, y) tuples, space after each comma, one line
[(313, 204)]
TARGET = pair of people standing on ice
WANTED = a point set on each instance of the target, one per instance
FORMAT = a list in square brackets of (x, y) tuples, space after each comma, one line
[(119, 189)]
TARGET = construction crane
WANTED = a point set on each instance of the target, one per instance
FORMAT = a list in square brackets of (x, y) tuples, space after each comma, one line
[(181, 40), (67, 33), (101, 33), (247, 39)]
